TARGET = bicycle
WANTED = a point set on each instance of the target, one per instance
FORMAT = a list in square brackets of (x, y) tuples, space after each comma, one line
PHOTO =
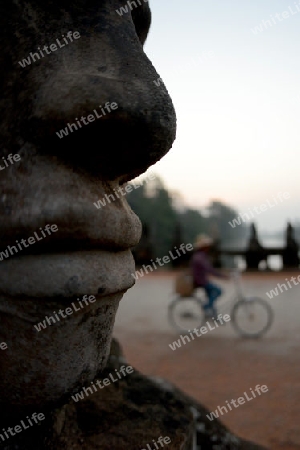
[(251, 316)]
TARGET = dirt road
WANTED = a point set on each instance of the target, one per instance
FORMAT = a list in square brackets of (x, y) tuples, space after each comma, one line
[(221, 366)]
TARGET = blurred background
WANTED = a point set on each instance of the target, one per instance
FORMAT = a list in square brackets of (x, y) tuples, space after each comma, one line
[(232, 70)]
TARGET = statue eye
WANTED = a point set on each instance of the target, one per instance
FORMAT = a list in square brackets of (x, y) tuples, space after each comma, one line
[(141, 17)]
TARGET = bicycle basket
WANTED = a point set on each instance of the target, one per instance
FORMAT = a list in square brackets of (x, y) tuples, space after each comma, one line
[(184, 285)]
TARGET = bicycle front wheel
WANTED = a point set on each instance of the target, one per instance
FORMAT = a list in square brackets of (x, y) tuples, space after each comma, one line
[(252, 317), (185, 313)]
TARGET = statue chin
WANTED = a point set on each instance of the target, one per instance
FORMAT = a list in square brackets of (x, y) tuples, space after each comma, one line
[(43, 368)]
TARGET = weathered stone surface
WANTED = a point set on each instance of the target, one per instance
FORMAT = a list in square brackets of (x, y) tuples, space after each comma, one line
[(42, 368), (67, 275), (131, 413), (58, 180)]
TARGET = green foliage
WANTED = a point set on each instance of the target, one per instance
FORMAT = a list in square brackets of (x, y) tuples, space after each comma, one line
[(192, 223), (219, 215), (168, 226), (156, 211)]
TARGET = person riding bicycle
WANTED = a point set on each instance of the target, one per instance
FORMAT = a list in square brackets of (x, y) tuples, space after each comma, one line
[(201, 269)]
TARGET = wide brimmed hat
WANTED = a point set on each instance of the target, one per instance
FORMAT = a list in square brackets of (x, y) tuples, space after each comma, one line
[(202, 240)]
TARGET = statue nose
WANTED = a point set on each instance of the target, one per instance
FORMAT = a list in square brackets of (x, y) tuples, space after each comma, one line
[(112, 120), (124, 140)]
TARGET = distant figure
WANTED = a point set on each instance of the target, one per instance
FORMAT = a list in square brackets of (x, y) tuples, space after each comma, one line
[(201, 269)]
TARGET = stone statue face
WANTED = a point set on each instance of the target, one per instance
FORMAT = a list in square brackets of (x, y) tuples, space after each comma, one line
[(50, 181)]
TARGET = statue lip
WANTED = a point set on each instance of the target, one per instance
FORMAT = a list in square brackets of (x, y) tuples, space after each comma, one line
[(68, 274), (88, 254), (80, 226)]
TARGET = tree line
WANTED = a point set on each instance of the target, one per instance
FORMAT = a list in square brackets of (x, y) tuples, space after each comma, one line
[(167, 222)]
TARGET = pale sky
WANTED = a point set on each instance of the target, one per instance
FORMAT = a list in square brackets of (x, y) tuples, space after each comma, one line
[(237, 99)]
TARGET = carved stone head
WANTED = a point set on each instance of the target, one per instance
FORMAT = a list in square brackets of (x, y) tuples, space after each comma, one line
[(80, 116)]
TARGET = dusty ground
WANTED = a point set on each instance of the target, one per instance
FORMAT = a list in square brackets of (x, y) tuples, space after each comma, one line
[(221, 366)]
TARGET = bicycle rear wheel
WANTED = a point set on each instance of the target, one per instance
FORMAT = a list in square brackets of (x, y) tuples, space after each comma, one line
[(185, 313), (252, 317)]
